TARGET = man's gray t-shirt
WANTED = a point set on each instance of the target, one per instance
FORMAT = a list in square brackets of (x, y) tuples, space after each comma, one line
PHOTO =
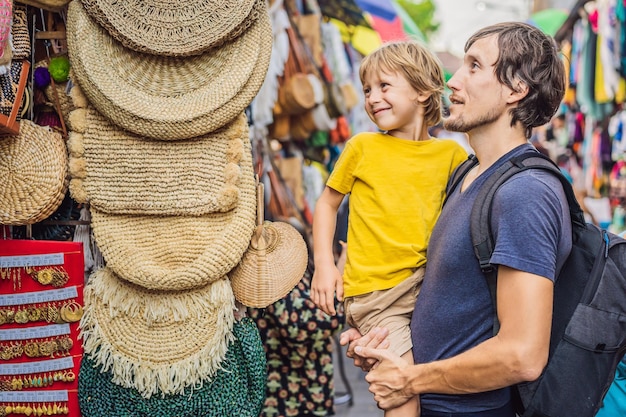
[(454, 312)]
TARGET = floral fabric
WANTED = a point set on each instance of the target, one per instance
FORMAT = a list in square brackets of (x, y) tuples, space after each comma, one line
[(298, 342)]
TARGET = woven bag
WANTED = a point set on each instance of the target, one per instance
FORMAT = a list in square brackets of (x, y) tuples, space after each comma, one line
[(238, 388), (295, 92), (20, 35), (273, 264), (12, 86)]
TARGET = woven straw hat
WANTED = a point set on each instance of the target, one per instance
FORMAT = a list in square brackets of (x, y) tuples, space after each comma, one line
[(172, 28), (33, 174), (179, 252), (273, 264), (168, 98), (156, 341), (238, 388), (122, 173)]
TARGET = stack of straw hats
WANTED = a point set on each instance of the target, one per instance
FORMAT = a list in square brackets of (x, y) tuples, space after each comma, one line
[(159, 147)]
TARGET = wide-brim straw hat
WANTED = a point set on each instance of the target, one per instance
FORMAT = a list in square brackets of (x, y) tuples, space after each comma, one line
[(156, 341), (33, 174), (172, 28), (272, 265), (179, 252), (168, 98), (122, 173)]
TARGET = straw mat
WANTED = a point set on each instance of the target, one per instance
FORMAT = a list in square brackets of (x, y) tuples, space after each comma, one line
[(123, 173), (168, 98), (172, 28), (33, 174), (164, 356), (179, 252)]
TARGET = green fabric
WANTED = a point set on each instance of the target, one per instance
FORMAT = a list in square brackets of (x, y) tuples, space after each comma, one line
[(236, 390)]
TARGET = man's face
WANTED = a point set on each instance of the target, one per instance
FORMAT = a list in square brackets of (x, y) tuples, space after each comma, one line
[(478, 98)]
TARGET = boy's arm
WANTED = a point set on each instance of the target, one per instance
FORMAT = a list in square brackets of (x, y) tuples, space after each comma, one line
[(518, 353), (326, 277)]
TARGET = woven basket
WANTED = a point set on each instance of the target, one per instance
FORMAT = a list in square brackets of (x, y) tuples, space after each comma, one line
[(156, 342), (273, 264), (179, 252), (122, 173), (237, 389), (173, 28), (33, 174), (162, 97)]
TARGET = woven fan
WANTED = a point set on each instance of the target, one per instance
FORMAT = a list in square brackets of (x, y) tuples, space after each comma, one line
[(273, 263)]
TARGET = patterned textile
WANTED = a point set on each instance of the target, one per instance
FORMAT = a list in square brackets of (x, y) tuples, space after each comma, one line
[(298, 341)]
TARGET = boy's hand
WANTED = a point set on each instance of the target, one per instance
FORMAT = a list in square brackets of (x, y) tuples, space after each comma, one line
[(375, 339), (326, 281)]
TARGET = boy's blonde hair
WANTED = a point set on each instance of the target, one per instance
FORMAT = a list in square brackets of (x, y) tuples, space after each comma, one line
[(421, 68)]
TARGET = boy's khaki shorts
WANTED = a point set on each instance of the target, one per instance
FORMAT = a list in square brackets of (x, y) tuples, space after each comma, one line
[(390, 308)]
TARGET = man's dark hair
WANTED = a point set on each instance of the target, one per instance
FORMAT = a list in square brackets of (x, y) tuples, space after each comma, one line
[(529, 56)]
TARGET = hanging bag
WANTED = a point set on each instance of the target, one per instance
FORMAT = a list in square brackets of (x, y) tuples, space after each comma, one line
[(273, 264), (295, 95)]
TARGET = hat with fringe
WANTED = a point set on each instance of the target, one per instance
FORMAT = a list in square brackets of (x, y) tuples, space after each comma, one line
[(33, 174), (168, 98), (122, 173), (179, 252), (172, 28), (156, 341), (237, 389)]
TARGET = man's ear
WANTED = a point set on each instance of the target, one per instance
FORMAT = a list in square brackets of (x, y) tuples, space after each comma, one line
[(521, 90)]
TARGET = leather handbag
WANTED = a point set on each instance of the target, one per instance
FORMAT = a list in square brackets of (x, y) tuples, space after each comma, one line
[(12, 86), (295, 92)]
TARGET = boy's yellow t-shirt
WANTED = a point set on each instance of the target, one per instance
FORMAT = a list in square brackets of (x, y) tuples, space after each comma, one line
[(396, 189)]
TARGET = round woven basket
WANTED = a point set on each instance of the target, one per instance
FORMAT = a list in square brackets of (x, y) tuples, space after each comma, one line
[(164, 356), (273, 264), (173, 28), (179, 252), (33, 174), (237, 389), (128, 174), (163, 97)]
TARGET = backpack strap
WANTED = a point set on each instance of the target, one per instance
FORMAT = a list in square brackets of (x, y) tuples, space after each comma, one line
[(459, 173), (480, 221)]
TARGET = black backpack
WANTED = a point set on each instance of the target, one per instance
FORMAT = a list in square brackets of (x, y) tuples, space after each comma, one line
[(588, 337)]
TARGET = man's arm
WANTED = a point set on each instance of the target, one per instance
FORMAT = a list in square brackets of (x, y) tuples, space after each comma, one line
[(519, 352)]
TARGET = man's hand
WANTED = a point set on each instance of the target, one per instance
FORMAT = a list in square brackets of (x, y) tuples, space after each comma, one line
[(388, 378), (375, 339)]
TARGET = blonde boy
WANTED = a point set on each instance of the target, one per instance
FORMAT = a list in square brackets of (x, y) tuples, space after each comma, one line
[(396, 179)]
